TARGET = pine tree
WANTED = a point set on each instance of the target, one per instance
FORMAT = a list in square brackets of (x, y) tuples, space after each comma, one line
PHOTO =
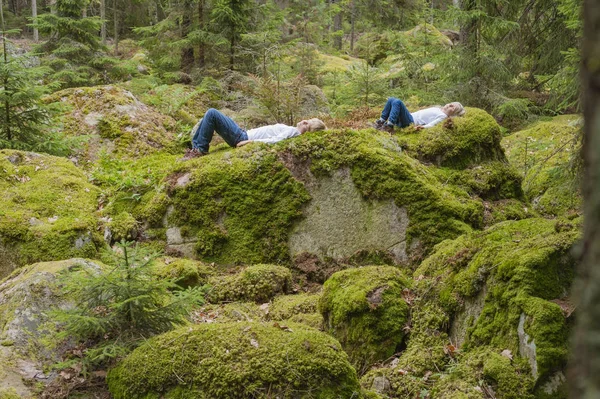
[(232, 18)]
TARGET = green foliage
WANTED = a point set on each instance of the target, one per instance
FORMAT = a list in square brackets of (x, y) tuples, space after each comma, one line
[(23, 115), (237, 360), (364, 309), (123, 305)]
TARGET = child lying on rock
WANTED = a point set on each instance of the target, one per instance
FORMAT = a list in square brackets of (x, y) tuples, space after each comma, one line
[(395, 113), (236, 137)]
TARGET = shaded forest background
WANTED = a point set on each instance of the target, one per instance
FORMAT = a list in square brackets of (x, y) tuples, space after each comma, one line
[(518, 59)]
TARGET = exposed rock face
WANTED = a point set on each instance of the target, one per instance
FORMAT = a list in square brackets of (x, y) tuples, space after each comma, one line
[(47, 210), (115, 121), (338, 222), (26, 299), (237, 360)]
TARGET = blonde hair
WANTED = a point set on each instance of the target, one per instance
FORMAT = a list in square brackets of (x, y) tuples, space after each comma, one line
[(460, 110), (315, 125)]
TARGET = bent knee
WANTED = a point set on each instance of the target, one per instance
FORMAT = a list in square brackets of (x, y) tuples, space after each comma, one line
[(210, 113)]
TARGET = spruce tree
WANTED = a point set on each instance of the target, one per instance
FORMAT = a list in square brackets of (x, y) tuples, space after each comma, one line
[(22, 114)]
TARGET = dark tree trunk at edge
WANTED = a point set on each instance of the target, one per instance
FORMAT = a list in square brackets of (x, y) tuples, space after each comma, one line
[(584, 374)]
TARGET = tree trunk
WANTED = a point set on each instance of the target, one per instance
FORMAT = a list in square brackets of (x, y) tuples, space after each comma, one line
[(201, 45), (232, 51), (352, 23), (36, 34), (337, 27), (187, 54), (103, 18), (116, 25), (585, 369), (5, 81), (52, 4)]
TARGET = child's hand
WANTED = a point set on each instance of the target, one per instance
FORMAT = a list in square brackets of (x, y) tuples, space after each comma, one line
[(419, 127)]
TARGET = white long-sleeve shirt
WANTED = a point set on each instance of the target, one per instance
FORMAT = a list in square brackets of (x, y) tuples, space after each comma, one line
[(429, 117), (272, 133)]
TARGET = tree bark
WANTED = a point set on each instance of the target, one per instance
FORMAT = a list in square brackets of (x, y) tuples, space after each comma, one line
[(352, 23), (116, 25), (187, 54), (337, 27), (36, 34), (201, 45), (103, 18), (585, 369)]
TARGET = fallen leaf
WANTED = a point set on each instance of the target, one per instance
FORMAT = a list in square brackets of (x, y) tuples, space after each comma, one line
[(254, 343)]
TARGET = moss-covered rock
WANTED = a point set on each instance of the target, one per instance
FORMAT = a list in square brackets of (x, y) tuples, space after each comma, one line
[(258, 283), (299, 308), (236, 360), (468, 141), (520, 271), (185, 272), (27, 298), (544, 154), (365, 310), (241, 205), (112, 120), (47, 210)]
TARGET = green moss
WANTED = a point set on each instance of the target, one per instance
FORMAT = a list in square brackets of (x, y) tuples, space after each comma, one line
[(236, 360), (123, 226), (503, 210), (258, 283), (521, 265), (47, 210), (230, 312), (473, 139), (286, 306), (185, 272), (543, 154), (10, 393), (365, 310)]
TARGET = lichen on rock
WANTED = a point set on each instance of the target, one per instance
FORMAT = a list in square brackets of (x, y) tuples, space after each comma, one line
[(27, 298), (114, 121), (47, 210), (236, 360), (365, 310)]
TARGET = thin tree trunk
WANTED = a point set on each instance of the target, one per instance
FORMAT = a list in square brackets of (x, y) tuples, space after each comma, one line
[(352, 23), (187, 54), (232, 51), (201, 45), (36, 34), (337, 27), (116, 25), (84, 12), (585, 370), (52, 4), (103, 18), (5, 80)]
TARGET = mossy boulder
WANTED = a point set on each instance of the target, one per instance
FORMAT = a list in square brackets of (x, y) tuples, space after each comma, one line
[(47, 210), (299, 308), (185, 272), (236, 360), (506, 289), (27, 298), (114, 121), (258, 283), (245, 205), (365, 310), (467, 141), (545, 154)]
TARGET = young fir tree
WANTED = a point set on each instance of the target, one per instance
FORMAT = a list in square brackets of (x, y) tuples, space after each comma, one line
[(73, 43), (22, 114), (123, 305)]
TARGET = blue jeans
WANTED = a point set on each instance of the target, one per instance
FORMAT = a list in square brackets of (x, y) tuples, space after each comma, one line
[(215, 121), (396, 113)]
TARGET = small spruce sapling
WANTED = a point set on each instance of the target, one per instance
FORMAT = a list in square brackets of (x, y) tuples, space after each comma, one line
[(122, 305)]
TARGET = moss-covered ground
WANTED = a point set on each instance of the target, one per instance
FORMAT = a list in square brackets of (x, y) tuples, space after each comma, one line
[(237, 360)]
